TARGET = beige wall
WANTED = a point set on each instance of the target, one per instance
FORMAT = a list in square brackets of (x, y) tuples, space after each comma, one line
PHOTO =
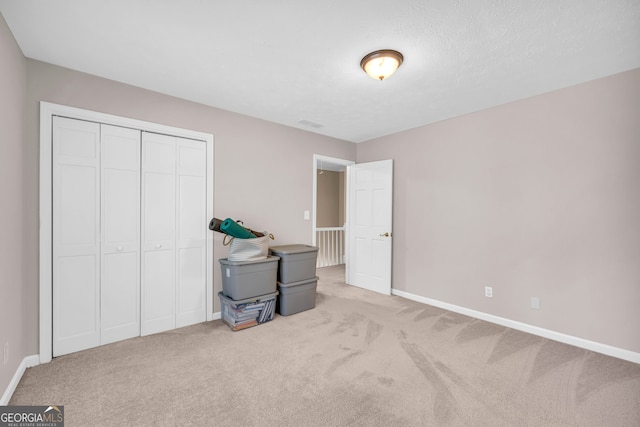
[(12, 207), (328, 203), (263, 172), (539, 197)]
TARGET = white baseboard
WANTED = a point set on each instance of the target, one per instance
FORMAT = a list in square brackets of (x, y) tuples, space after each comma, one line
[(535, 330), (27, 362), (217, 315)]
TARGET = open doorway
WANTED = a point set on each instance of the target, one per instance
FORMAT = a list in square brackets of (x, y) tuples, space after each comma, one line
[(330, 210)]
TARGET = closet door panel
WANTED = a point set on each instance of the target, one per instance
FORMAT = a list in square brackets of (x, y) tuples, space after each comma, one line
[(191, 209), (158, 232), (190, 293), (78, 209), (159, 273), (120, 296), (76, 310), (191, 239), (121, 208), (76, 235), (159, 209), (120, 279)]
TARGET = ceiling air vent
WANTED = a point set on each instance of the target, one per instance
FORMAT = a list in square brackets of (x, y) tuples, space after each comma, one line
[(311, 124)]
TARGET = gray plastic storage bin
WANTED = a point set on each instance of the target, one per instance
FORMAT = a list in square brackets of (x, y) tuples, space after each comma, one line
[(296, 297), (297, 262), (247, 312), (248, 279)]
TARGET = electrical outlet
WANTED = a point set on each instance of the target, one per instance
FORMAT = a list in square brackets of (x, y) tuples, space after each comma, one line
[(535, 303), (307, 215), (488, 291), (5, 356)]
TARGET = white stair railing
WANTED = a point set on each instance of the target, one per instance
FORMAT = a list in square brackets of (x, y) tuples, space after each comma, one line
[(330, 242)]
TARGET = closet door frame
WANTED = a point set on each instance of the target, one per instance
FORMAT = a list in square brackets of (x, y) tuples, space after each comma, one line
[(47, 112)]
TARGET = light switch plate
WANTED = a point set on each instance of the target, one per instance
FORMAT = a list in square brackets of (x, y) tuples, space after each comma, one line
[(535, 303)]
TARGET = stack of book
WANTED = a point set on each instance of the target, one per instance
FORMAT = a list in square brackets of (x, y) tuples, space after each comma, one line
[(248, 312), (243, 315)]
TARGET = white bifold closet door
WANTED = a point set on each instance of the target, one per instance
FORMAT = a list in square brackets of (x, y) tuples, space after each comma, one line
[(76, 235), (158, 232), (120, 224), (191, 231), (173, 232), (129, 233)]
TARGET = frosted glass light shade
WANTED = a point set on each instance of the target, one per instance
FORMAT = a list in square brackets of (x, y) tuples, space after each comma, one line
[(381, 63)]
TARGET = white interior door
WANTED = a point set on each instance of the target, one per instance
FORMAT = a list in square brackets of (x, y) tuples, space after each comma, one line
[(158, 233), (75, 235), (370, 208), (191, 232), (120, 271)]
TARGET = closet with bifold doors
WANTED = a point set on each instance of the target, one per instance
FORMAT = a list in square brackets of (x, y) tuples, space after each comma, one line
[(128, 233)]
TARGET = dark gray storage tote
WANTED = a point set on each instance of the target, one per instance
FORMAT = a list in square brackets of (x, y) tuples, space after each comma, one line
[(248, 279), (296, 297), (297, 262)]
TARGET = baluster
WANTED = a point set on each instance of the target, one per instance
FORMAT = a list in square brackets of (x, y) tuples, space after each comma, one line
[(324, 250), (333, 247)]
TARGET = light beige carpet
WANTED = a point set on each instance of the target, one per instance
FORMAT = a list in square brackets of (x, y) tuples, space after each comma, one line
[(357, 359)]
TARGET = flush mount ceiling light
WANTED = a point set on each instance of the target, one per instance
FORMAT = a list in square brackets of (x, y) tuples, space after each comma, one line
[(381, 63)]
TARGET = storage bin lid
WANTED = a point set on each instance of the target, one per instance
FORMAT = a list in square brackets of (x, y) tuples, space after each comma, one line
[(259, 298), (292, 249), (294, 284), (270, 258)]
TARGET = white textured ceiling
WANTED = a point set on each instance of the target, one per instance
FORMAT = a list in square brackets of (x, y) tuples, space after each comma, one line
[(296, 62)]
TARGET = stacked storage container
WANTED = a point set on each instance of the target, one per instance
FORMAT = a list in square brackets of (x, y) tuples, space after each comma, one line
[(249, 291), (297, 280)]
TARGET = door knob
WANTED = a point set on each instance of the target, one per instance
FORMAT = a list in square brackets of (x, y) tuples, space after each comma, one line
[(387, 234), (158, 246), (119, 249)]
